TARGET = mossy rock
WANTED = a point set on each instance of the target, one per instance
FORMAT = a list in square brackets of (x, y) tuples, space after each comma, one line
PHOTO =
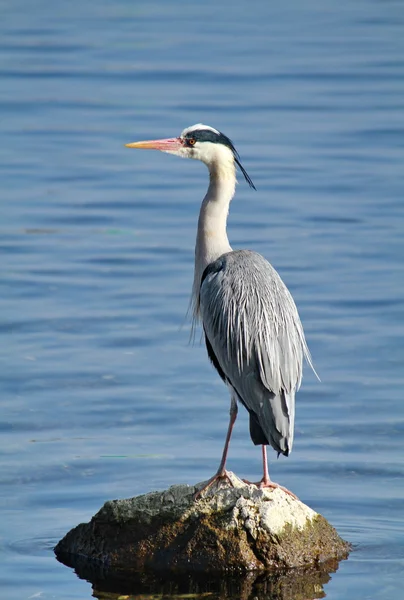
[(233, 528)]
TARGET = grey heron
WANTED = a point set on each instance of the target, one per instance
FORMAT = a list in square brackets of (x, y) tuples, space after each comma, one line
[(253, 333)]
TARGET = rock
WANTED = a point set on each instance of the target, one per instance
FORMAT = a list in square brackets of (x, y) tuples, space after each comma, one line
[(234, 527)]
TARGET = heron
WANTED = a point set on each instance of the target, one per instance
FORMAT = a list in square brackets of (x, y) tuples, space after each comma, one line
[(253, 333)]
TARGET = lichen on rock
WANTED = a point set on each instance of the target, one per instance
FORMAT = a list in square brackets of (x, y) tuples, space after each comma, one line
[(232, 527)]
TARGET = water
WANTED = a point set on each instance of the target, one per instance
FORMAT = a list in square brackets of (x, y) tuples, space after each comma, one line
[(102, 396)]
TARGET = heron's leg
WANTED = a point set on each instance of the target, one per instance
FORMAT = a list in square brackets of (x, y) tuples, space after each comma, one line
[(266, 480), (221, 472), (233, 416)]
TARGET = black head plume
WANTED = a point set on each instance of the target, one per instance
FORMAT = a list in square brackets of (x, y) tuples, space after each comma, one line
[(216, 137)]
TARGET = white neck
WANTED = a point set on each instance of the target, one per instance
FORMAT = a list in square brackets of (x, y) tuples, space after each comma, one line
[(211, 239)]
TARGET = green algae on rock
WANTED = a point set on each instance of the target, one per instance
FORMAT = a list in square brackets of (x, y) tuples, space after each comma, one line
[(233, 527)]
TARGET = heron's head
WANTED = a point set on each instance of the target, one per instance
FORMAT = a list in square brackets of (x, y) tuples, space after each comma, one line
[(200, 142)]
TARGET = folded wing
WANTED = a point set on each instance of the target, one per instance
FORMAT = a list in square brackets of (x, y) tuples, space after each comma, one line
[(255, 339)]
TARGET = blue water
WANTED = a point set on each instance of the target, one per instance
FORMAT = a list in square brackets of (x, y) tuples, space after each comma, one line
[(101, 394)]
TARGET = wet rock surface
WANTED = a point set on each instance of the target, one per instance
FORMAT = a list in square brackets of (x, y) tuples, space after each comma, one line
[(233, 527)]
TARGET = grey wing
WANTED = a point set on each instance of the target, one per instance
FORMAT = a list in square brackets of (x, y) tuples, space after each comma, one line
[(253, 329)]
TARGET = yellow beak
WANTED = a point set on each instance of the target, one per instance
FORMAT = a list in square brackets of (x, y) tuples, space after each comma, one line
[(169, 144)]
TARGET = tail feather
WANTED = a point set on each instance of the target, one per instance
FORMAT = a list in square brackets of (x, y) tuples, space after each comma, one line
[(274, 424)]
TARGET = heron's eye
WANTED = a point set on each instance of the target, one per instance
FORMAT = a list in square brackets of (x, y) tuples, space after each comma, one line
[(192, 141)]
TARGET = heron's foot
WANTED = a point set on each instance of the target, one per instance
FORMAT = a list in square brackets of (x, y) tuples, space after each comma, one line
[(267, 483), (219, 475)]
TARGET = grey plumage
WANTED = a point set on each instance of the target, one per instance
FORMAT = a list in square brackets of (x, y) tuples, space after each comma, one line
[(253, 328)]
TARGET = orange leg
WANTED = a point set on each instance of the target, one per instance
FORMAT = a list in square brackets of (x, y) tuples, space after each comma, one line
[(221, 472), (266, 480)]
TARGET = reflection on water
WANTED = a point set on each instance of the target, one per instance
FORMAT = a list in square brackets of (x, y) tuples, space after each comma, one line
[(291, 585)]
